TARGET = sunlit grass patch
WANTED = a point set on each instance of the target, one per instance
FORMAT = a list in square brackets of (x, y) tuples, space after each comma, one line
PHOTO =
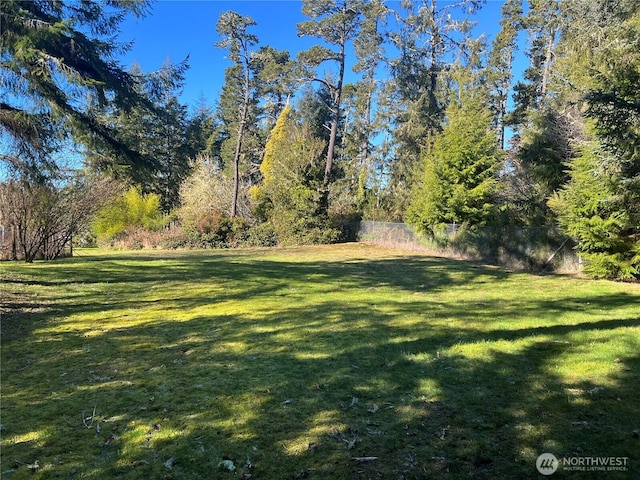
[(291, 363)]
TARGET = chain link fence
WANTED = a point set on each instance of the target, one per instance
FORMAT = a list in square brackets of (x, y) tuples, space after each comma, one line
[(533, 248), (388, 234)]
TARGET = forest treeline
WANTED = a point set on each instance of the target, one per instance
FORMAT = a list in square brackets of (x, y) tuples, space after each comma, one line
[(436, 129)]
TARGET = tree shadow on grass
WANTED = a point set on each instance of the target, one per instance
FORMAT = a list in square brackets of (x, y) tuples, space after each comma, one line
[(126, 281), (302, 390)]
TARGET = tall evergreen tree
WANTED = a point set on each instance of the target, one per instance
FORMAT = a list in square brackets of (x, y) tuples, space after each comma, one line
[(591, 210), (500, 63), (543, 24), (156, 131), (459, 179), (292, 173), (365, 125), (544, 125), (201, 126), (53, 56), (430, 36), (313, 110), (276, 76), (168, 138), (233, 28), (336, 22)]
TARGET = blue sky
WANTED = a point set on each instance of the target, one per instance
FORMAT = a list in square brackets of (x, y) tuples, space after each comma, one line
[(177, 28)]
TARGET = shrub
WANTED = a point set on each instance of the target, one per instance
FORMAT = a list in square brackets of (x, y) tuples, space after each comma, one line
[(592, 210), (208, 191), (617, 266), (261, 235), (136, 238), (131, 211)]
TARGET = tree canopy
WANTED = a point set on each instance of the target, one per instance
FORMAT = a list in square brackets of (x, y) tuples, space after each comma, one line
[(57, 59)]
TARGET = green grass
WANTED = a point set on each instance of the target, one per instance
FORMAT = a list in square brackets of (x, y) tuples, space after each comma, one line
[(149, 365)]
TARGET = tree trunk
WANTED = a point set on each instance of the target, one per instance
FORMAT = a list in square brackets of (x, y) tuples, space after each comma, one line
[(241, 128), (337, 98), (236, 171), (365, 147), (501, 115), (14, 244), (548, 60)]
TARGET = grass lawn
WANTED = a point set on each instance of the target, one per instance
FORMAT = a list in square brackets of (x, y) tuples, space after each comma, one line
[(302, 362)]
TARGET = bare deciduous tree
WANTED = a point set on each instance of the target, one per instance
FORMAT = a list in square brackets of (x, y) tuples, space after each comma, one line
[(42, 218)]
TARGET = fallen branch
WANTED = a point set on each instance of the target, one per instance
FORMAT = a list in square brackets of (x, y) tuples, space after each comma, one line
[(555, 253), (90, 419), (364, 459)]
